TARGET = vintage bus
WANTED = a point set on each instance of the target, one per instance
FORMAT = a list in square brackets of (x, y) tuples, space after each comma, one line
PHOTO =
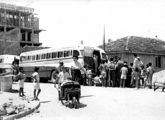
[(48, 59), (6, 61)]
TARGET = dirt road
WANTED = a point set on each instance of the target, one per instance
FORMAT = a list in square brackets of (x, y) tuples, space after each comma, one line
[(99, 103)]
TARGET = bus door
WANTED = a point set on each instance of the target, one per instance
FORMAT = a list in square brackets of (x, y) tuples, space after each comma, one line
[(88, 57)]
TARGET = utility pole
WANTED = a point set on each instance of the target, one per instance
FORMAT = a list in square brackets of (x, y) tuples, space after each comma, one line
[(5, 33), (104, 39)]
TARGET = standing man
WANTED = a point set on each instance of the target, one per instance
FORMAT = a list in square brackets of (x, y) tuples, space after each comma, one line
[(129, 75), (36, 81), (95, 58), (119, 65), (111, 73), (137, 63)]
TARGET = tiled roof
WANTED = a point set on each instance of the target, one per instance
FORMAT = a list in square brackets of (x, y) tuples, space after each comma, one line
[(137, 44)]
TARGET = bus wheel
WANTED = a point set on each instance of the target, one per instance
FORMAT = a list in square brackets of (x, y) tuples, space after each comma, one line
[(54, 76)]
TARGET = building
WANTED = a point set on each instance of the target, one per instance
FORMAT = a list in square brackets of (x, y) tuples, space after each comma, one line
[(148, 49), (18, 28)]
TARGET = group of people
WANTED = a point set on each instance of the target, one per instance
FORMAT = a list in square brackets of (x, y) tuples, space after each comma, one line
[(20, 76), (115, 73), (73, 73), (118, 73)]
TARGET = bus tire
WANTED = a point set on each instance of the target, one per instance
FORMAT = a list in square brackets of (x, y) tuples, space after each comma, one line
[(53, 76)]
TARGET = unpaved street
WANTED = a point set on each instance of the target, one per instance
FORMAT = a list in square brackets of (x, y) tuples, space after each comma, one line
[(99, 103)]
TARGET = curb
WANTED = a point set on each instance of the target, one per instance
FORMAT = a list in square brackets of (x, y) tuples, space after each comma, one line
[(21, 114)]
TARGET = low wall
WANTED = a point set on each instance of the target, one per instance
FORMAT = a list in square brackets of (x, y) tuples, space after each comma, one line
[(6, 83)]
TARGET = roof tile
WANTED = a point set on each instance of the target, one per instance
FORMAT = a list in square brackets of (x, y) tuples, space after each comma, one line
[(137, 44)]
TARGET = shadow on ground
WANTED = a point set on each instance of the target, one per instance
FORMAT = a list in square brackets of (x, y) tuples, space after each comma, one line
[(80, 105), (87, 96), (45, 101), (14, 91)]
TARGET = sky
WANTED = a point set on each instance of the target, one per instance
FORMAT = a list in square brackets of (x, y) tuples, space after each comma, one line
[(67, 22)]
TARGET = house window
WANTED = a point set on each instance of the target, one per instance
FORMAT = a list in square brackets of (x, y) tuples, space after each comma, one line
[(158, 61)]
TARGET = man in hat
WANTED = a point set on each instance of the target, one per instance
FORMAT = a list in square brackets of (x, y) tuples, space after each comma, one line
[(61, 64)]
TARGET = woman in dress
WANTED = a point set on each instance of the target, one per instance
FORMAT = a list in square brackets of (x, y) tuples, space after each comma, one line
[(75, 69)]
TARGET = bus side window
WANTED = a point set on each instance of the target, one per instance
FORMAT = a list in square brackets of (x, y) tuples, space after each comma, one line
[(23, 58), (54, 55), (33, 57), (48, 56), (1, 60), (66, 53), (60, 54), (37, 57), (71, 53), (29, 58), (43, 56)]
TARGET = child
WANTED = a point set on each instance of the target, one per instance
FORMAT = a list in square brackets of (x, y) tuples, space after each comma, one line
[(103, 70), (97, 81), (124, 71), (21, 78), (103, 77), (150, 72), (36, 81), (89, 76), (143, 75), (62, 76)]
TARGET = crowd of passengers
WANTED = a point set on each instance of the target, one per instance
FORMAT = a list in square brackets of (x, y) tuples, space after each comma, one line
[(116, 73)]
